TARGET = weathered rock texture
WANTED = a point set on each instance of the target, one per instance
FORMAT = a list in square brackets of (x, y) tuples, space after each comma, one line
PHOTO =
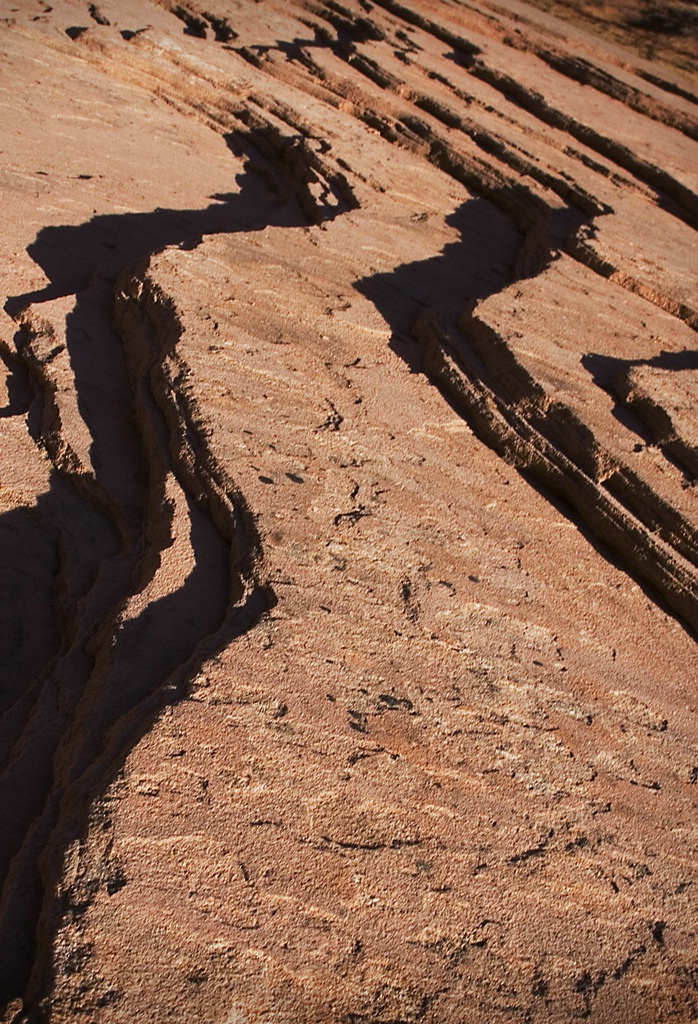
[(349, 549)]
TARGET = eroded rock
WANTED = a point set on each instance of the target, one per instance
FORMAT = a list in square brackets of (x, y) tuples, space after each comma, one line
[(348, 517)]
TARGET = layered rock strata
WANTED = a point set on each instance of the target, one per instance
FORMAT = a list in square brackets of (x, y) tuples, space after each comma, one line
[(349, 521)]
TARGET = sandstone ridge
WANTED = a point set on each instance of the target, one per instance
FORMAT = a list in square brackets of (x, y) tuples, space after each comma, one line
[(349, 533)]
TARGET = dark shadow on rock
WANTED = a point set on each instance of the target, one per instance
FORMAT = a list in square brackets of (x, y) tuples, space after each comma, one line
[(649, 419), (348, 32), (51, 554), (605, 370), (19, 392), (28, 628), (67, 720), (272, 191), (480, 263), (77, 723), (606, 551)]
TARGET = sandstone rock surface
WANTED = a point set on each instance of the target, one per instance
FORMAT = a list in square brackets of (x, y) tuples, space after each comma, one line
[(349, 525)]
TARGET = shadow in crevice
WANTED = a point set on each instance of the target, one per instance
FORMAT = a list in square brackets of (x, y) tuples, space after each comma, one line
[(62, 702)]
